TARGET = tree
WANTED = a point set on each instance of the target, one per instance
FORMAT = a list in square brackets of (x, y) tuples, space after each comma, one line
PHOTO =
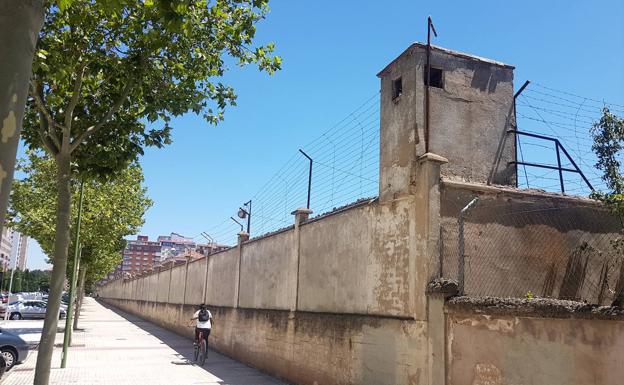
[(102, 72), (608, 135), (112, 210), (20, 22), (32, 280)]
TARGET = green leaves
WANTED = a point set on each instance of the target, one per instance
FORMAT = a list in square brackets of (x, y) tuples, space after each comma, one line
[(171, 52), (113, 210), (64, 4), (608, 135)]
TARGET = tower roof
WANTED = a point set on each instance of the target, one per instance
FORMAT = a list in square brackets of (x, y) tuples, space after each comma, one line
[(447, 51)]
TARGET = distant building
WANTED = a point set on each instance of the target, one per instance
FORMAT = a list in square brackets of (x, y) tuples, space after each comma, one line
[(142, 254), (175, 244), (20, 250), (139, 255), (210, 248), (6, 247), (13, 249)]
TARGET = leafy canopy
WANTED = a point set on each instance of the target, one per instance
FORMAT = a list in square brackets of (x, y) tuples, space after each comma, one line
[(104, 70), (111, 211), (608, 134)]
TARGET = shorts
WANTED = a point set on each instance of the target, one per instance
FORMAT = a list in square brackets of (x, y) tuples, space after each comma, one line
[(205, 331)]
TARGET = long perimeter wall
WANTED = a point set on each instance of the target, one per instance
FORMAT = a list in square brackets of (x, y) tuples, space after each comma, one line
[(343, 298)]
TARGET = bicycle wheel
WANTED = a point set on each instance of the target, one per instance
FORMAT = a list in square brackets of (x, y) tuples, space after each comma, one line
[(202, 352), (196, 353)]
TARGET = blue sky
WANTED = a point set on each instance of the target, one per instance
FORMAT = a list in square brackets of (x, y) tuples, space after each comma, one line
[(331, 53)]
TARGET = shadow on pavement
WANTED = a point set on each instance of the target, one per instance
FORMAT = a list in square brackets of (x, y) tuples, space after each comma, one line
[(228, 370)]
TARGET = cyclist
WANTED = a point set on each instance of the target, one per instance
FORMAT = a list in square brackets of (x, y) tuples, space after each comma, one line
[(203, 323)]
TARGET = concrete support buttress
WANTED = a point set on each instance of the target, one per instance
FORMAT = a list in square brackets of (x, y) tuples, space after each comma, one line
[(171, 264), (205, 296), (428, 233), (301, 216), (436, 336), (428, 198), (186, 267), (242, 237)]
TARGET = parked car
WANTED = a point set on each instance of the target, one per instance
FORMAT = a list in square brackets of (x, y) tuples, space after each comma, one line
[(3, 367), (13, 349), (31, 309)]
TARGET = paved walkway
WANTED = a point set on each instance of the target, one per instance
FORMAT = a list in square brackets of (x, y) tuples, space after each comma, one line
[(120, 349)]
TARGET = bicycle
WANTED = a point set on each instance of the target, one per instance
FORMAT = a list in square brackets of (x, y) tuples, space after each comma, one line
[(200, 349)]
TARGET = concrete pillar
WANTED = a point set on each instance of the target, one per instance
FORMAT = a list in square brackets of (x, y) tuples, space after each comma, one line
[(205, 296), (428, 220), (301, 216), (171, 264), (242, 238), (437, 292), (186, 267)]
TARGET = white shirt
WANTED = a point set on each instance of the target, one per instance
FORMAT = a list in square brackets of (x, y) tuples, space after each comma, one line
[(203, 325)]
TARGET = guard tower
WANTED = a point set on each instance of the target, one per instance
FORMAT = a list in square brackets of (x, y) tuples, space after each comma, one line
[(471, 109)]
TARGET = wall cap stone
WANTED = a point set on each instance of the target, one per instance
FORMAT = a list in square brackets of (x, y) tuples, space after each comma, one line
[(537, 307), (431, 157)]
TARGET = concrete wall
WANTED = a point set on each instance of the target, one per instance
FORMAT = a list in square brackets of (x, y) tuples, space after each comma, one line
[(307, 348), (493, 349), (176, 291), (343, 287), (520, 241), (265, 271), (222, 283), (195, 280), (361, 261)]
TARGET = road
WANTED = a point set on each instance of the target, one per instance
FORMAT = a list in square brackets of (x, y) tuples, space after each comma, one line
[(115, 348)]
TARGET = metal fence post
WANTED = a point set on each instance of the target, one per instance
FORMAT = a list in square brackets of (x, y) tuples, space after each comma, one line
[(460, 268)]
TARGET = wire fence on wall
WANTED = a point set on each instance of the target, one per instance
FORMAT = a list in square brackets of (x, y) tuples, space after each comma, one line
[(524, 250), (345, 169), (346, 159), (569, 118)]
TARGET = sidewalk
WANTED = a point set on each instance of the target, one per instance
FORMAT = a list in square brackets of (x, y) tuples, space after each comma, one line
[(116, 348)]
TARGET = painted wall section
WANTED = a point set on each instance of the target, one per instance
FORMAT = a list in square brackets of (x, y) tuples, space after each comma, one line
[(520, 241), (358, 261), (221, 285), (195, 282), (512, 350), (265, 270)]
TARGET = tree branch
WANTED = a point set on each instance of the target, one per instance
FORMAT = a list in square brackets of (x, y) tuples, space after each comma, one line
[(45, 137), (44, 131), (69, 113), (92, 129)]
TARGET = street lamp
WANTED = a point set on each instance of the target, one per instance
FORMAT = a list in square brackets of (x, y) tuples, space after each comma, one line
[(246, 213)]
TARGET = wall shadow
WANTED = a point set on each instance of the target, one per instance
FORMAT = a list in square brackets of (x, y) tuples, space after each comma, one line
[(227, 370)]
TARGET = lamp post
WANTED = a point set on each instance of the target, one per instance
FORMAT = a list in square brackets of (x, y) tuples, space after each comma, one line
[(72, 295), (246, 213)]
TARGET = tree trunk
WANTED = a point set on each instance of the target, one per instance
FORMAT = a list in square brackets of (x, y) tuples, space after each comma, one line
[(20, 23), (57, 279), (79, 298)]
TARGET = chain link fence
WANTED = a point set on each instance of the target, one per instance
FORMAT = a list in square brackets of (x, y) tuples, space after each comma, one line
[(533, 249)]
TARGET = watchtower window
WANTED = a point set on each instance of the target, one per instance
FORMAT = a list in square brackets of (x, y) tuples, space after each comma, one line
[(397, 88), (436, 77)]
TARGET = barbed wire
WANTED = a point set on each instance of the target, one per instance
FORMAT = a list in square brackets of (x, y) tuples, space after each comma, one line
[(346, 159), (345, 168), (569, 118)]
